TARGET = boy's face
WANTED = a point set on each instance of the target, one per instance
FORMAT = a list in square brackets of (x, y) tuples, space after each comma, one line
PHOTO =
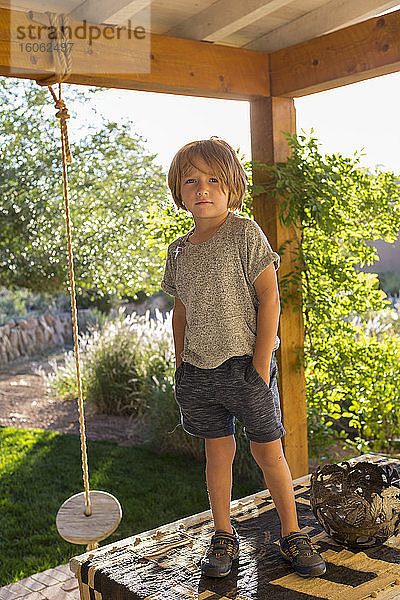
[(202, 193)]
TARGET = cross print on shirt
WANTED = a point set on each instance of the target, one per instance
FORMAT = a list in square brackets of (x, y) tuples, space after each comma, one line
[(178, 250)]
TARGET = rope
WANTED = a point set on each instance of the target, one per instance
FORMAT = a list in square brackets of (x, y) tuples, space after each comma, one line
[(63, 115), (63, 65)]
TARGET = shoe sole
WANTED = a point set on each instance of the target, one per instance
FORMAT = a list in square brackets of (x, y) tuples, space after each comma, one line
[(213, 573), (316, 573)]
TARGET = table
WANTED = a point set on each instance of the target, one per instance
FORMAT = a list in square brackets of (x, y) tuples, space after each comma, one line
[(163, 564)]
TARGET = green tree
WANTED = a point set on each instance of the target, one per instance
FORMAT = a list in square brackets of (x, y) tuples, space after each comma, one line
[(113, 182)]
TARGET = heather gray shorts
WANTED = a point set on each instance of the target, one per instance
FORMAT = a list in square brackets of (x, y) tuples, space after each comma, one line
[(210, 399)]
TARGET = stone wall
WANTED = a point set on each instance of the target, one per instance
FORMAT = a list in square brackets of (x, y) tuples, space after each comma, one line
[(29, 336)]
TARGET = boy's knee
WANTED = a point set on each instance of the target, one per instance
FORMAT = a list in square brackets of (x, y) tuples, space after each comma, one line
[(268, 454), (220, 450)]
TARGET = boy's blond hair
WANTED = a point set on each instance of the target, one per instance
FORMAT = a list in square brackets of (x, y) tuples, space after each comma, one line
[(223, 162)]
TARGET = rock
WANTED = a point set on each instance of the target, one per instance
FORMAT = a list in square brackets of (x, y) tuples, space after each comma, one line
[(24, 341), (23, 324), (50, 320), (6, 329), (21, 346), (31, 323), (32, 343), (13, 337), (40, 341)]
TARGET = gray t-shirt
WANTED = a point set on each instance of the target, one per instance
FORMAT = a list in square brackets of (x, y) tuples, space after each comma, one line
[(214, 280)]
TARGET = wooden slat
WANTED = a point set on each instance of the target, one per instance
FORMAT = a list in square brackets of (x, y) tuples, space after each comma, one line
[(356, 53), (225, 17), (268, 117), (328, 17), (104, 11), (177, 66)]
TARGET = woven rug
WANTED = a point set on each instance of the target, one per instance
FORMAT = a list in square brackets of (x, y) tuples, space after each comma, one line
[(164, 564)]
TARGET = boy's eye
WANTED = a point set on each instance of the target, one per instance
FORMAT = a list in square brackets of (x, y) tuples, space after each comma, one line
[(193, 179)]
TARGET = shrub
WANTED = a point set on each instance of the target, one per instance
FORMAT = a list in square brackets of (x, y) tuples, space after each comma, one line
[(117, 363), (360, 389)]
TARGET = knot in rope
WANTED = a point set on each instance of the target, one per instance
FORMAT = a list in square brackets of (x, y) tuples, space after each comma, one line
[(63, 113)]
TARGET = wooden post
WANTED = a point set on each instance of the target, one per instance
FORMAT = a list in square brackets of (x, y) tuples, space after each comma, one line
[(269, 117)]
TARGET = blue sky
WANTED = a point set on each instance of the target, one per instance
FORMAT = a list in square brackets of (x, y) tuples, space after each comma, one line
[(344, 119)]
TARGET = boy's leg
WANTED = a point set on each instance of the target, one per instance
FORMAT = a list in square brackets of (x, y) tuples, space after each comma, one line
[(220, 453), (270, 458), (296, 547)]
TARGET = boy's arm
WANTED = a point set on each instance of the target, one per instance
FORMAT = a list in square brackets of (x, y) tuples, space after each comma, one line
[(267, 320), (178, 328)]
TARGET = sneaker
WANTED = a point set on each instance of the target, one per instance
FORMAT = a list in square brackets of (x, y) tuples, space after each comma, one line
[(224, 548), (298, 549)]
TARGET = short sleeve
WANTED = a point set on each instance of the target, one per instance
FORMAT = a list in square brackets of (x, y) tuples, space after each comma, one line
[(259, 252), (168, 280)]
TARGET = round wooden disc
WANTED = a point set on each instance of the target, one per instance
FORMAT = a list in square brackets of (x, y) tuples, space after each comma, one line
[(74, 526)]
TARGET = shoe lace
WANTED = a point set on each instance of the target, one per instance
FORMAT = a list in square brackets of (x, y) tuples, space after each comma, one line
[(220, 546), (302, 546)]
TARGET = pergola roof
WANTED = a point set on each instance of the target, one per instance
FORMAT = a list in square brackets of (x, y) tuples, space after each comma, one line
[(223, 49), (254, 24)]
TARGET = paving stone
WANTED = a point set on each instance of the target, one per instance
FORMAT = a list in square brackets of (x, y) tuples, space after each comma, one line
[(14, 590), (71, 584), (36, 587), (44, 578), (7, 594), (32, 584), (65, 569), (56, 592), (57, 574)]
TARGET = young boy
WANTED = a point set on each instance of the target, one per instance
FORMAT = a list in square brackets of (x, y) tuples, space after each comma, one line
[(225, 320)]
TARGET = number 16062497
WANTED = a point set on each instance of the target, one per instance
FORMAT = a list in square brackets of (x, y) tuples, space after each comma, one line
[(46, 46)]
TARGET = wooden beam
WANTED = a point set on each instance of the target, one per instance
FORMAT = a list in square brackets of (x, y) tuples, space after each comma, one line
[(104, 11), (223, 18), (177, 66), (333, 15), (356, 53), (268, 118)]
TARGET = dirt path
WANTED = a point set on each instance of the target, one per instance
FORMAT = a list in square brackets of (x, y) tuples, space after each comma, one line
[(25, 403)]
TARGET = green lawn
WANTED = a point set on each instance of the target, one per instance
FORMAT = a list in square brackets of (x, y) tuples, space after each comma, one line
[(39, 470)]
